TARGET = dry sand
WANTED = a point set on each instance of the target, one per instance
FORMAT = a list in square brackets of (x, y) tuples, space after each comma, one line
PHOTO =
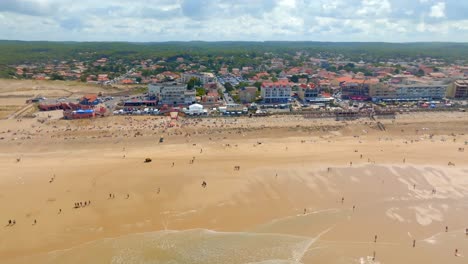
[(252, 215), (14, 93)]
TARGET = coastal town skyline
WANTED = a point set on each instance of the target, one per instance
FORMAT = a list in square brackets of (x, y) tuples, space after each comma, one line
[(220, 20)]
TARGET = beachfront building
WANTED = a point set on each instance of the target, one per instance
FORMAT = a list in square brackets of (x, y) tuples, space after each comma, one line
[(276, 92), (355, 88), (458, 90), (421, 91), (307, 92), (233, 109), (203, 77), (407, 91), (172, 93), (248, 94)]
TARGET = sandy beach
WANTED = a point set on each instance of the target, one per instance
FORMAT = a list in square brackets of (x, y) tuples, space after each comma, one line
[(305, 191)]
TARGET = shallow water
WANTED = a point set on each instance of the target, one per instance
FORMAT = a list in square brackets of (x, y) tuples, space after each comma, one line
[(277, 242), (190, 246)]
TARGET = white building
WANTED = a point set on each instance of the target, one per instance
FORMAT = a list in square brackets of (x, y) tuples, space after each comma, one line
[(421, 91), (276, 92), (233, 109), (407, 91), (204, 77), (172, 93)]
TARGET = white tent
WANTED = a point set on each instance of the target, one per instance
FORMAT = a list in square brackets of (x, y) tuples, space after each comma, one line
[(196, 108)]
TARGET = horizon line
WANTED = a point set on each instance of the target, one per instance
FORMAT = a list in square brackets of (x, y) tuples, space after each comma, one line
[(221, 41)]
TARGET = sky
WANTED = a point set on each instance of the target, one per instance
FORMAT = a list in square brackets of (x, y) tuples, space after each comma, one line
[(234, 20)]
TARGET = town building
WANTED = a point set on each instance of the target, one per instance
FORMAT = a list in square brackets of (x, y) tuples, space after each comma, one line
[(203, 77), (171, 93), (90, 99), (233, 109), (307, 92), (276, 92), (421, 91), (103, 78), (458, 90), (417, 91), (356, 89), (248, 94), (211, 98)]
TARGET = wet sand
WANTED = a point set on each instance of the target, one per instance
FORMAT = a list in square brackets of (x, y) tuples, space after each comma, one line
[(161, 213)]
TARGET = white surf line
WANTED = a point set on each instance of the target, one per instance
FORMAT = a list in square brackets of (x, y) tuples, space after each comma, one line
[(411, 236), (334, 210), (312, 241), (459, 231), (361, 242)]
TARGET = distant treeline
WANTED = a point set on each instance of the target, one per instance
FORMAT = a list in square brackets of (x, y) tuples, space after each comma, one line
[(17, 52)]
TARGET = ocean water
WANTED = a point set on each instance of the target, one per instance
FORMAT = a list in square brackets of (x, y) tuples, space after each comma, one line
[(280, 241), (189, 246)]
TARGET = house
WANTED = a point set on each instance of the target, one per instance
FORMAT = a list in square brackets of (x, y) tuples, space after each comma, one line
[(248, 94), (90, 99), (127, 81), (276, 92), (103, 78), (172, 93), (211, 98)]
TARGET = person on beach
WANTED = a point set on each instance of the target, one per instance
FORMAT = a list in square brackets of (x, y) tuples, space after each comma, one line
[(60, 211), (446, 228), (342, 200), (35, 222), (414, 243), (305, 210)]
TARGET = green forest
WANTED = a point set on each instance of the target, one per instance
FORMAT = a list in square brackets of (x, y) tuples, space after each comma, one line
[(17, 52)]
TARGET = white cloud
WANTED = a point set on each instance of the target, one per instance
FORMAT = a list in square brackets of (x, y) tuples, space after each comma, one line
[(374, 7), (438, 10), (164, 20)]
